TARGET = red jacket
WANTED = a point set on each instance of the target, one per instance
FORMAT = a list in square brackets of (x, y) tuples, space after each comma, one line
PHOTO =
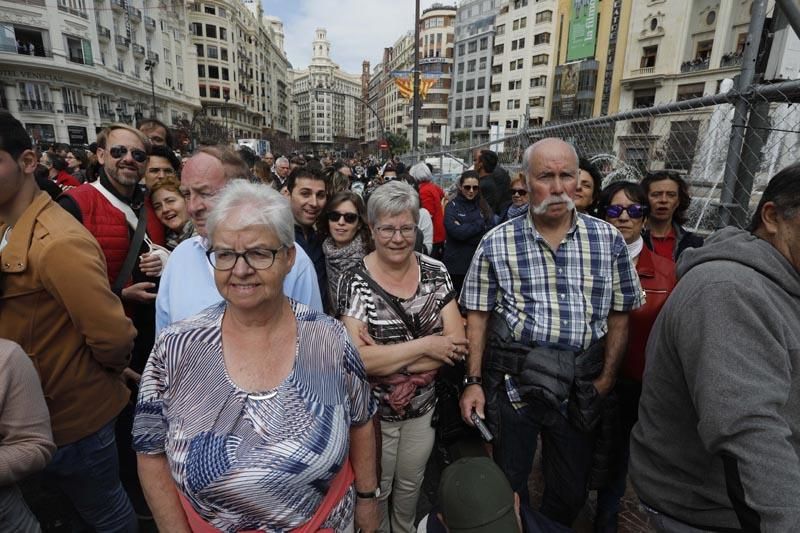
[(657, 276), (64, 179), (109, 227), (430, 197)]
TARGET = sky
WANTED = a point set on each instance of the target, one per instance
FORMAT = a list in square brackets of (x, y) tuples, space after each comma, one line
[(357, 29)]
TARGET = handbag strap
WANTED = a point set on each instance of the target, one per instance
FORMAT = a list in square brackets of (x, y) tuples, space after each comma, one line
[(133, 252), (394, 305)]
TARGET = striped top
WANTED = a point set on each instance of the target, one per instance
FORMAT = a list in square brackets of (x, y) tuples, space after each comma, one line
[(561, 298), (356, 299), (245, 460)]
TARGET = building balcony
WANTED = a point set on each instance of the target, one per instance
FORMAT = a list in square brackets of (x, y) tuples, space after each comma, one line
[(134, 14), (35, 105), (138, 49), (695, 65), (26, 50), (72, 11), (121, 42), (103, 34), (107, 115), (149, 24), (72, 109), (118, 5), (644, 71), (732, 59)]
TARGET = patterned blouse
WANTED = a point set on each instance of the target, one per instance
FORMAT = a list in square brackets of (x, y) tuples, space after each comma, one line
[(435, 290), (253, 460)]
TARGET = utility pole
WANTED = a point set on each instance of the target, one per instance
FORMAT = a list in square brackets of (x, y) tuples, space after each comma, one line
[(415, 106), (150, 65)]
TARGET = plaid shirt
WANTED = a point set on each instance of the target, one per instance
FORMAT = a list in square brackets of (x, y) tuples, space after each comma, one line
[(560, 299)]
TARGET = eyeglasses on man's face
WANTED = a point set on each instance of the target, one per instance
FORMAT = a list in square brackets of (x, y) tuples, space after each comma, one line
[(256, 258), (118, 152)]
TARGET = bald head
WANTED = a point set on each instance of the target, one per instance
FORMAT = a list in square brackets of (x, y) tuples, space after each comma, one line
[(545, 147), (202, 178), (551, 169)]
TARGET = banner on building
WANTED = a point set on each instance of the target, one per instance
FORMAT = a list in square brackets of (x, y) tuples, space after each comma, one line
[(404, 80), (569, 86), (582, 30)]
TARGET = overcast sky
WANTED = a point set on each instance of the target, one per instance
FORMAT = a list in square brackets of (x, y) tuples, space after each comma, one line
[(357, 29)]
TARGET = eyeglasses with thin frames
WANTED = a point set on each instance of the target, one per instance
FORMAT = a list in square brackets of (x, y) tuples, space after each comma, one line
[(256, 258)]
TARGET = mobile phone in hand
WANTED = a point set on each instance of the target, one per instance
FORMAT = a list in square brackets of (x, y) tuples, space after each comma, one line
[(481, 425)]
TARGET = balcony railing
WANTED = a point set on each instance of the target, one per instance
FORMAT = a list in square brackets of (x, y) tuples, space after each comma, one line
[(138, 49), (35, 105), (149, 24), (134, 14), (106, 114), (122, 42), (26, 49), (733, 59), (103, 33), (695, 65), (72, 11), (644, 71), (152, 56), (118, 5), (72, 109)]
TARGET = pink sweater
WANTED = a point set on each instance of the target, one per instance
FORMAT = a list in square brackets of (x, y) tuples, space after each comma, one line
[(26, 442)]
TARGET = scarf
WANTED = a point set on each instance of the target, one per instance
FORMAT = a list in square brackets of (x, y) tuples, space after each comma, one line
[(339, 260), (514, 211), (175, 238), (635, 248)]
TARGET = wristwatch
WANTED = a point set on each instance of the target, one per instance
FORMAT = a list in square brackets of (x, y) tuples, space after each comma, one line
[(472, 380), (371, 495)]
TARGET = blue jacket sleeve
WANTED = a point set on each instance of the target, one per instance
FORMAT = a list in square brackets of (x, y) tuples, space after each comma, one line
[(468, 227)]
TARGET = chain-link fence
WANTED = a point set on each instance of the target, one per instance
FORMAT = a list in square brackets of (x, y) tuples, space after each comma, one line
[(692, 136)]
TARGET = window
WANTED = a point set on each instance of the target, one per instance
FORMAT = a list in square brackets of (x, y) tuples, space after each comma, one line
[(212, 52), (540, 59), (515, 25), (479, 102), (544, 16), (472, 47), (639, 127), (221, 12), (494, 106), (539, 81), (211, 31), (514, 85), (73, 103), (469, 103), (537, 101), (223, 54), (691, 90), (482, 64), (461, 49), (209, 10), (79, 50), (644, 97), (541, 38), (498, 49), (484, 43), (458, 104), (518, 44), (471, 65), (704, 49), (213, 92), (203, 93), (459, 86), (741, 42), (225, 74), (496, 87), (197, 29), (479, 121), (458, 123), (649, 54), (199, 48), (471, 85), (461, 68), (512, 104), (517, 64), (467, 122), (201, 71), (213, 72), (223, 34), (481, 83), (681, 143), (520, 3), (500, 30)]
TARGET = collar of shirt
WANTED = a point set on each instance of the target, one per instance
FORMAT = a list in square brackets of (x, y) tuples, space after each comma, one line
[(531, 228), (135, 201)]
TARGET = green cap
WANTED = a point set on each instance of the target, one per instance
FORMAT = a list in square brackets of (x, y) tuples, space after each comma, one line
[(476, 497)]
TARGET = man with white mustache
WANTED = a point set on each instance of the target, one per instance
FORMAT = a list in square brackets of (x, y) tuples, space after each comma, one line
[(548, 296)]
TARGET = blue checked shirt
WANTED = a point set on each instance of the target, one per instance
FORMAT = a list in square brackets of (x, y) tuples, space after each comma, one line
[(559, 299)]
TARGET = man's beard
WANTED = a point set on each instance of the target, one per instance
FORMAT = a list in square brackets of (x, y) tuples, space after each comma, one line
[(541, 209), (115, 174)]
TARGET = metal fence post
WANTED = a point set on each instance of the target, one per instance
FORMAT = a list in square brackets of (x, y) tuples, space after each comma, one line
[(746, 77)]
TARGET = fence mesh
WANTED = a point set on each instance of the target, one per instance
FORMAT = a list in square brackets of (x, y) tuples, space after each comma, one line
[(691, 136)]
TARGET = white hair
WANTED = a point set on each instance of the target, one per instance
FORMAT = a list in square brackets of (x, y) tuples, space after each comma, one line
[(243, 204), (392, 199), (282, 159), (421, 172)]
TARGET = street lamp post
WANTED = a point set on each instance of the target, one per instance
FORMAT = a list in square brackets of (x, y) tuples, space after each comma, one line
[(150, 65), (227, 99)]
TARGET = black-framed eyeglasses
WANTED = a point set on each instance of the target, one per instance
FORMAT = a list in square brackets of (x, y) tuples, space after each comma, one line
[(519, 192), (388, 232), (634, 210), (335, 216), (469, 188), (256, 258), (118, 151)]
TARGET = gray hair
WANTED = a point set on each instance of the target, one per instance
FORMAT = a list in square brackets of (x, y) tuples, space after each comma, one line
[(421, 172), (392, 199), (243, 204), (528, 154), (282, 159)]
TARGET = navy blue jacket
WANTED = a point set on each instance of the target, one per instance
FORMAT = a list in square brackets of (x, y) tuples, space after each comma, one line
[(464, 236), (312, 244)]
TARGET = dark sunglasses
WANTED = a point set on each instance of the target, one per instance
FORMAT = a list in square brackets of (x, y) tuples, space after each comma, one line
[(471, 187), (117, 152), (335, 216), (634, 210), (519, 192)]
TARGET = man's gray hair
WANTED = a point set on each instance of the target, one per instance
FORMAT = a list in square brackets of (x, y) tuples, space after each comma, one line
[(421, 172), (281, 159), (243, 204), (392, 199), (528, 154)]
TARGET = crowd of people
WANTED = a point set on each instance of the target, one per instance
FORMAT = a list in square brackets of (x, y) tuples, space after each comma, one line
[(227, 342)]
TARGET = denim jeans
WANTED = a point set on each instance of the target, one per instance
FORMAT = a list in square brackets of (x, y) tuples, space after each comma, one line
[(15, 517), (87, 471), (566, 457)]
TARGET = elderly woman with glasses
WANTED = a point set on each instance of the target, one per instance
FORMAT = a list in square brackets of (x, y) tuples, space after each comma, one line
[(467, 218), (400, 308), (624, 205), (255, 413)]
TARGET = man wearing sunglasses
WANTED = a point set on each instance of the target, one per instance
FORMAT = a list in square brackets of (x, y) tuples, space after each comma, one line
[(55, 303), (548, 296)]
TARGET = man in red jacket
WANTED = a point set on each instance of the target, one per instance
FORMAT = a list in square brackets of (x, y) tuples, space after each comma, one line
[(430, 197)]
